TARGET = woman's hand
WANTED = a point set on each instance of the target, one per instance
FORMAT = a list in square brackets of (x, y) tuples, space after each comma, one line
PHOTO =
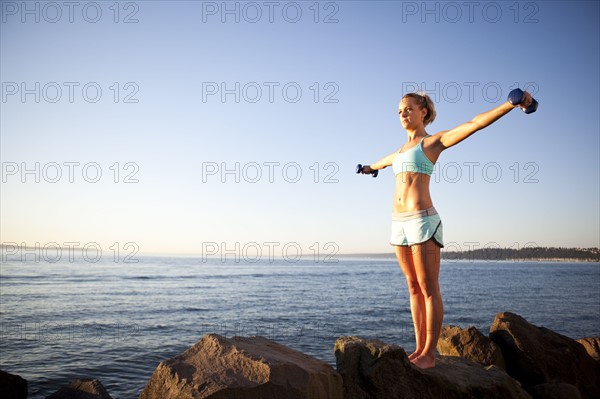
[(366, 169), (526, 102)]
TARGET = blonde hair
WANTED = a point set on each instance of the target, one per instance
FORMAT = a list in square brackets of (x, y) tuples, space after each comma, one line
[(423, 101)]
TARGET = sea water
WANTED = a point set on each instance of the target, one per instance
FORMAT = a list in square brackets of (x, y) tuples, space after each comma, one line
[(116, 321)]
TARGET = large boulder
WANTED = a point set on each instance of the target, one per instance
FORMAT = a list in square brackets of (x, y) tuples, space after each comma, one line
[(592, 347), (471, 344), (12, 386), (372, 369), (536, 355), (81, 389), (255, 367)]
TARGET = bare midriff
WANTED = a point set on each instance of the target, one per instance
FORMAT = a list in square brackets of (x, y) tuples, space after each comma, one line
[(412, 192)]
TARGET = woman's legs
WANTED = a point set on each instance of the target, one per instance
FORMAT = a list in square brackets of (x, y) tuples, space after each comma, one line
[(417, 302), (421, 266), (426, 261)]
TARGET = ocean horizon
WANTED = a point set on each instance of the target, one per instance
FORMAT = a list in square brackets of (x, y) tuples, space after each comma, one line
[(116, 321)]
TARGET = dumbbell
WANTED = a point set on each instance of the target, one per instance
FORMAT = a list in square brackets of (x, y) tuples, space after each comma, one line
[(359, 169), (515, 97)]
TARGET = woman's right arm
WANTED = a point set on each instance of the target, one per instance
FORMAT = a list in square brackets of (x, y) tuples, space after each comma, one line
[(382, 163)]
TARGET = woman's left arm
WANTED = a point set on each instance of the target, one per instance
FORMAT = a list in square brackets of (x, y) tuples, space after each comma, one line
[(448, 138)]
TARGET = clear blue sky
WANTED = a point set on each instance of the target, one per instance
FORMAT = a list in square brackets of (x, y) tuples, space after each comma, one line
[(526, 179)]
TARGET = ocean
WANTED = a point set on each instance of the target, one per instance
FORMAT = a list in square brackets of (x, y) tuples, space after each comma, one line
[(116, 321)]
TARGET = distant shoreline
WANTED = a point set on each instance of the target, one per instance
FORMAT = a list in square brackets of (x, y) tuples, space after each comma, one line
[(550, 260), (537, 254)]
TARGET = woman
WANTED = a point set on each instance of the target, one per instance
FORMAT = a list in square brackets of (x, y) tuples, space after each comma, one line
[(416, 226)]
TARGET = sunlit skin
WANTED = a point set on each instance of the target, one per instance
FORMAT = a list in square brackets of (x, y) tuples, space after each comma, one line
[(420, 263)]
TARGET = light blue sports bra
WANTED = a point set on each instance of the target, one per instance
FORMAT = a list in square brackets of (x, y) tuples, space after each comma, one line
[(413, 160)]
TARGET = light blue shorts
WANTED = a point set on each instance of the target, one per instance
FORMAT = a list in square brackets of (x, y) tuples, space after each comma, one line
[(409, 228)]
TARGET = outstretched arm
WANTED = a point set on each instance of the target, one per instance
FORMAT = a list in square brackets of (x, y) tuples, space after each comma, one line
[(382, 163), (448, 138)]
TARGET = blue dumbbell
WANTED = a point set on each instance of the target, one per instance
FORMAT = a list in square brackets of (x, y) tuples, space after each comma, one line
[(515, 97), (359, 169)]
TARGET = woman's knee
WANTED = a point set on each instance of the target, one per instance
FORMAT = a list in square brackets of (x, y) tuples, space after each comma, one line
[(429, 287), (414, 287)]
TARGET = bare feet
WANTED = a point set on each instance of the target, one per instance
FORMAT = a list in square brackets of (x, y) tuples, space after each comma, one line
[(424, 362), (413, 356)]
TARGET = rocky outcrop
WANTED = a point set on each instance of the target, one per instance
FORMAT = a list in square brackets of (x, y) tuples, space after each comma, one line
[(536, 355), (539, 364), (558, 390), (12, 386), (470, 344), (81, 389), (592, 347), (255, 367), (372, 369)]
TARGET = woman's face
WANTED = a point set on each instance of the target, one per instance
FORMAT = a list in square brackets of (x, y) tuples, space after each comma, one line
[(411, 116)]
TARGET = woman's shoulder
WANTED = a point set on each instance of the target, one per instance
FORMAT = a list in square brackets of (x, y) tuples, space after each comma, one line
[(433, 138), (432, 144)]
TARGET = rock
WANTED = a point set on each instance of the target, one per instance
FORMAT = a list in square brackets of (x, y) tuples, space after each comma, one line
[(555, 391), (592, 347), (81, 389), (372, 369), (470, 344), (536, 355), (12, 386), (255, 367)]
